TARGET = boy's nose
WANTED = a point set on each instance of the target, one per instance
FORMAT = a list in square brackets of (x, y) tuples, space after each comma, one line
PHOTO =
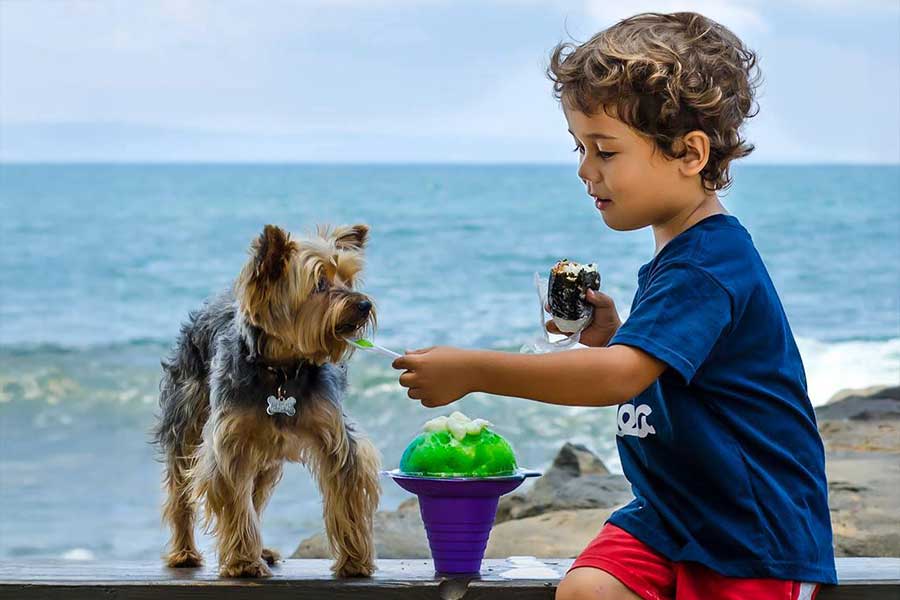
[(586, 172)]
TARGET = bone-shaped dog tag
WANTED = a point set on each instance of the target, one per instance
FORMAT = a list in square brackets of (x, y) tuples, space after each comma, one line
[(284, 406)]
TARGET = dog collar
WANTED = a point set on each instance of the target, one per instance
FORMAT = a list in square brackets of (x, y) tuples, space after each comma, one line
[(280, 404), (285, 373)]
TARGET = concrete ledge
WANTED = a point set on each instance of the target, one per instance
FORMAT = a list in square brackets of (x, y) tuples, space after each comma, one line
[(861, 579)]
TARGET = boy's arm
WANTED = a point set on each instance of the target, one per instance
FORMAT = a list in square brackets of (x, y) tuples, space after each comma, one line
[(587, 377)]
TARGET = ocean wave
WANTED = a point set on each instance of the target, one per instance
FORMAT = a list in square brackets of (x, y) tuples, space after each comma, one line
[(29, 349), (78, 554), (128, 373), (833, 366)]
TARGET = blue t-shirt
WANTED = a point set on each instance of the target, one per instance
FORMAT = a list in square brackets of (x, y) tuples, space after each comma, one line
[(722, 451)]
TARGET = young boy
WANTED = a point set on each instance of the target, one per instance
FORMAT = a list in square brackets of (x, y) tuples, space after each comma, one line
[(716, 432)]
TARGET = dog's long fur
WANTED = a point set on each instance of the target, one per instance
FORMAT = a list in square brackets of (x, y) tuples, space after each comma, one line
[(282, 324)]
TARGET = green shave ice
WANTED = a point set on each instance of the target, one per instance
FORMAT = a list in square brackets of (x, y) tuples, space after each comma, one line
[(456, 446)]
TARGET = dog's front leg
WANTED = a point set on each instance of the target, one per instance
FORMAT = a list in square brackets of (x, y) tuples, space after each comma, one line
[(346, 467), (224, 478), (265, 482)]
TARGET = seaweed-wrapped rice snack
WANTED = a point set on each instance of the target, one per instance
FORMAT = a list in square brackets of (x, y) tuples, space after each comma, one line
[(569, 282)]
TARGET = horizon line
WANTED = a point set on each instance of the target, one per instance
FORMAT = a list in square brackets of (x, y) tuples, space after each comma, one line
[(362, 163)]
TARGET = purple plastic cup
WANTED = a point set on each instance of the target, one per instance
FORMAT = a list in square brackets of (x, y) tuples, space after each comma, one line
[(458, 513)]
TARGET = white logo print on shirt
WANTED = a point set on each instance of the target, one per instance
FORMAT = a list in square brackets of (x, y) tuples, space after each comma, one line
[(632, 420)]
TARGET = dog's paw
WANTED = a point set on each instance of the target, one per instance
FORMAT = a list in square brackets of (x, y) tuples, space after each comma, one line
[(183, 559), (255, 569), (352, 568), (270, 556)]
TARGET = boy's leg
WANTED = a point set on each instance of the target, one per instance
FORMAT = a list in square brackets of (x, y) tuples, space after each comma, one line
[(696, 582), (616, 566), (588, 583)]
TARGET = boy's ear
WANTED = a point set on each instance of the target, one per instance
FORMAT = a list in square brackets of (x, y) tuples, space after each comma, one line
[(351, 237), (271, 252), (696, 146)]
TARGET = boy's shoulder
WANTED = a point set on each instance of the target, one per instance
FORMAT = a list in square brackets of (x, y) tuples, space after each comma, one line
[(720, 247)]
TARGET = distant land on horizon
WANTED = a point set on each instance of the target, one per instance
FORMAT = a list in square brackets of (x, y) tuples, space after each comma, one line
[(744, 164), (91, 142)]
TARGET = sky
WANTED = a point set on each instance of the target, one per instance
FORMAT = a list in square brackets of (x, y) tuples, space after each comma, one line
[(402, 80)]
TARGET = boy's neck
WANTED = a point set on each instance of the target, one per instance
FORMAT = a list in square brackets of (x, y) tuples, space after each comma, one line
[(666, 231)]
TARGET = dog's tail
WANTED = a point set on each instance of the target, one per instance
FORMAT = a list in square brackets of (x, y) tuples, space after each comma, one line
[(183, 399)]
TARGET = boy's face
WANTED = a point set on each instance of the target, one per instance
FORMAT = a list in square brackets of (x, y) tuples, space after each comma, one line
[(633, 184)]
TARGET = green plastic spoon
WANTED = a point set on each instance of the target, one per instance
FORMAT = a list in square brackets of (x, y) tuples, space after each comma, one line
[(365, 344)]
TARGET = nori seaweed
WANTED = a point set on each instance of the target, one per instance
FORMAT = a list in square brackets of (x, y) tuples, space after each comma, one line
[(566, 295)]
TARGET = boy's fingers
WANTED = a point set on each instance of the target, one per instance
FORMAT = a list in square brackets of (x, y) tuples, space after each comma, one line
[(551, 327), (409, 360), (408, 379), (404, 363), (414, 393), (420, 351), (598, 299)]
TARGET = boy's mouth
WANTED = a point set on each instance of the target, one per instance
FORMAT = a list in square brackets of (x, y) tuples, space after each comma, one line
[(602, 203)]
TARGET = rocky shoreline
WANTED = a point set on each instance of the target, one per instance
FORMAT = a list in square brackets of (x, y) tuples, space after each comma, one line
[(565, 508)]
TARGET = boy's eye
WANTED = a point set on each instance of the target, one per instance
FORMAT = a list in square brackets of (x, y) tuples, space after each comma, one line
[(603, 155)]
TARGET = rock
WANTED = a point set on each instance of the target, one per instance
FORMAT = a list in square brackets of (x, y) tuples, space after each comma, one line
[(860, 436), (511, 504), (314, 546), (556, 534), (592, 491), (577, 479), (862, 489), (875, 403), (398, 534), (861, 433), (575, 460), (879, 391)]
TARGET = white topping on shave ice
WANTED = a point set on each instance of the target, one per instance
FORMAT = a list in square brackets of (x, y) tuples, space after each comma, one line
[(458, 424)]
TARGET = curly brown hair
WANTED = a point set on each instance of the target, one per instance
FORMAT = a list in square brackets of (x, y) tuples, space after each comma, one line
[(665, 75)]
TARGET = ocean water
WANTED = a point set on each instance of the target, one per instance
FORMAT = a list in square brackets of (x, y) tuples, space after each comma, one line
[(100, 264)]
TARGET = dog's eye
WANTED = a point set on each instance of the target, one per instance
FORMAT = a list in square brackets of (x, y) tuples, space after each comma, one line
[(322, 284)]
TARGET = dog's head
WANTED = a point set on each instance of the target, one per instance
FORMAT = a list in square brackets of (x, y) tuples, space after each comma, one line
[(302, 293)]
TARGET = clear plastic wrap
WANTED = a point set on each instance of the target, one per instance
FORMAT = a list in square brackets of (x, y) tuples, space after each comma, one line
[(542, 344)]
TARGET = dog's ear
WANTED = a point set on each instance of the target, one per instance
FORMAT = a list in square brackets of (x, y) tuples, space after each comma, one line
[(271, 253), (351, 237)]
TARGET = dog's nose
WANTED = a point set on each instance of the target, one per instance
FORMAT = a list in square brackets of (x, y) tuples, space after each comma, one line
[(364, 306)]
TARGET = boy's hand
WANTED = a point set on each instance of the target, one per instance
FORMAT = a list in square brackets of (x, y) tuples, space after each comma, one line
[(436, 376), (604, 324)]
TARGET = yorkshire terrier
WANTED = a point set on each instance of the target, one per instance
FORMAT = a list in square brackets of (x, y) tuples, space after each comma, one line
[(256, 379)]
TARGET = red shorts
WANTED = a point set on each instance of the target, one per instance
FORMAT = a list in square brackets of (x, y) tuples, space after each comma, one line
[(654, 577)]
